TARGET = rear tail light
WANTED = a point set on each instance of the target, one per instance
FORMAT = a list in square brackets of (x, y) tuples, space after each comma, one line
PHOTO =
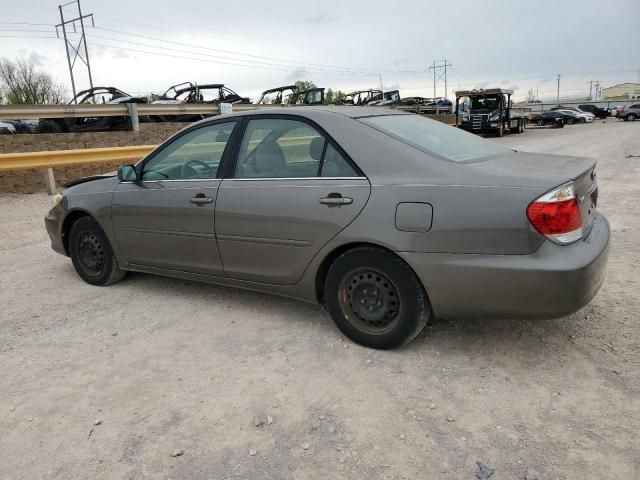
[(556, 215)]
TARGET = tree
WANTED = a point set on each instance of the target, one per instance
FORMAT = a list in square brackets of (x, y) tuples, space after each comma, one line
[(305, 85), (22, 83), (332, 96)]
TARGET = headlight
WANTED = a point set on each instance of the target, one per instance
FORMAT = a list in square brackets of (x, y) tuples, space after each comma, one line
[(494, 117), (57, 199)]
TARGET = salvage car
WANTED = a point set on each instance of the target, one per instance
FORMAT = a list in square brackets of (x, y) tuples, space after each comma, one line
[(291, 95), (95, 96), (361, 97), (188, 92), (385, 217)]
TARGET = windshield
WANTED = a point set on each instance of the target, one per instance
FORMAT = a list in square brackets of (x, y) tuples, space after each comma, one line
[(436, 137), (488, 101)]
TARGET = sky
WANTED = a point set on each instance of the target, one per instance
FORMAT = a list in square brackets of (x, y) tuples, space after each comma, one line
[(144, 46)]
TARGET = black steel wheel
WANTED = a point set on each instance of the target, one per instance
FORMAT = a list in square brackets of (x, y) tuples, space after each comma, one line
[(91, 253), (375, 298), (371, 300)]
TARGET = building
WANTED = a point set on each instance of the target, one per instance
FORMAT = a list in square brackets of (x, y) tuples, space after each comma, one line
[(623, 91)]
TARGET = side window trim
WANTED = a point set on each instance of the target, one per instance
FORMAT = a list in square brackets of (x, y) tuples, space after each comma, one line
[(239, 132), (225, 156)]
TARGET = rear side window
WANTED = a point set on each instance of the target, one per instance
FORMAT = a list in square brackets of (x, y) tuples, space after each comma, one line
[(435, 137), (284, 148)]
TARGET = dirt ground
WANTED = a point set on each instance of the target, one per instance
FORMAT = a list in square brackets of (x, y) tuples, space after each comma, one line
[(112, 382)]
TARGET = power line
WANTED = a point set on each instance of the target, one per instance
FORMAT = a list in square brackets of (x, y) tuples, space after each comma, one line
[(372, 71), (252, 63)]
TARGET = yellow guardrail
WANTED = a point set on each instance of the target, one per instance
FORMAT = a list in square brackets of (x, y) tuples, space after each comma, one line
[(59, 158)]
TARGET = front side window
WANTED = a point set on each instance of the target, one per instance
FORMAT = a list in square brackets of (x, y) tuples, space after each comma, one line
[(195, 155), (435, 137)]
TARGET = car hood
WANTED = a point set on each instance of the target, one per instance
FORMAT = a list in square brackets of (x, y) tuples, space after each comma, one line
[(530, 170), (92, 178)]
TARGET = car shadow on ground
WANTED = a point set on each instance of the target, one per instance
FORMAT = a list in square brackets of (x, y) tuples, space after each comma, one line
[(525, 338)]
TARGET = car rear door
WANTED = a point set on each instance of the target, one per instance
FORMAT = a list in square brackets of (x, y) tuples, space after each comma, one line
[(166, 220), (291, 190)]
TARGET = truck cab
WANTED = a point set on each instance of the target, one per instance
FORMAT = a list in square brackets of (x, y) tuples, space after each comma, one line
[(488, 111)]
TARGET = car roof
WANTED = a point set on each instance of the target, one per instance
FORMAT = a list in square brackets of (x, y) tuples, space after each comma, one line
[(313, 111)]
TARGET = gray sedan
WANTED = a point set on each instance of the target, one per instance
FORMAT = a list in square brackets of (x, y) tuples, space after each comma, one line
[(385, 217)]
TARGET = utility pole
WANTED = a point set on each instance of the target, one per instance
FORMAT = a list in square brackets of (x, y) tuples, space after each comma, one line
[(558, 96), (591, 83), (439, 68), (80, 49)]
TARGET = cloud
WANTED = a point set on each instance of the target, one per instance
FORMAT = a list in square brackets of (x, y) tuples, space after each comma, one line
[(297, 74), (321, 19), (402, 61)]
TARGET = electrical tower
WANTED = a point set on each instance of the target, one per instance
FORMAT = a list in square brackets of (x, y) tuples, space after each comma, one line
[(80, 49), (597, 83), (439, 68)]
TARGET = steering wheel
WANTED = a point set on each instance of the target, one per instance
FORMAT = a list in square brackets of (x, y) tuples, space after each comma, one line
[(187, 166)]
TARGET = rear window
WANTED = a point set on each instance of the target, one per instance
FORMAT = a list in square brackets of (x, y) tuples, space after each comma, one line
[(435, 137)]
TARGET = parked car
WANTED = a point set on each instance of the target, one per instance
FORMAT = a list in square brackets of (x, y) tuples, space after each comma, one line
[(595, 110), (385, 217), (389, 97), (629, 114), (577, 117), (96, 95), (6, 128), (555, 119), (573, 109)]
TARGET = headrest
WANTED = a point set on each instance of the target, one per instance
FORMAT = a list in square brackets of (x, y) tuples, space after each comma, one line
[(315, 148)]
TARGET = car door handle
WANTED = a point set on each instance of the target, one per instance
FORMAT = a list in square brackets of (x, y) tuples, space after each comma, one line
[(200, 199), (335, 200)]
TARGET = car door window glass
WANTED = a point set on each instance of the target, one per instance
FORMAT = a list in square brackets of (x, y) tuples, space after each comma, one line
[(195, 155), (279, 148), (335, 165)]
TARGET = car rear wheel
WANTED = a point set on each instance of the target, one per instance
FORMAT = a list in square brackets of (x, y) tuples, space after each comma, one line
[(630, 117), (570, 121), (540, 123), (92, 255), (375, 299)]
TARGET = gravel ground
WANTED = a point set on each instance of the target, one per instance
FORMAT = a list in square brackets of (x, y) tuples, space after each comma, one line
[(160, 378)]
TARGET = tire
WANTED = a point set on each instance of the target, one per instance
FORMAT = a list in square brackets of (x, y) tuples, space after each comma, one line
[(500, 130), (583, 120), (570, 121), (48, 126), (540, 123), (92, 255), (630, 117), (375, 299), (521, 129)]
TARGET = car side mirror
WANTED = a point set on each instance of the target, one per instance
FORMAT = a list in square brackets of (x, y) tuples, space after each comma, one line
[(127, 173)]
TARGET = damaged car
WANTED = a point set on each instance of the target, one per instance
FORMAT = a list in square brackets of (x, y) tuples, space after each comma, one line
[(291, 95), (94, 96)]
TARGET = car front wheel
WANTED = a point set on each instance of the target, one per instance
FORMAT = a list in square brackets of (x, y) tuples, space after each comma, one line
[(375, 298), (92, 255), (630, 117)]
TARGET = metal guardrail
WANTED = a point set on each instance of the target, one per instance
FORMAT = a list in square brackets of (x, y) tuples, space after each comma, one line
[(59, 158), (13, 112)]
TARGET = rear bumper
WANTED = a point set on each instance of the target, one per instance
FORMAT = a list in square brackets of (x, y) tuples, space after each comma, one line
[(552, 282)]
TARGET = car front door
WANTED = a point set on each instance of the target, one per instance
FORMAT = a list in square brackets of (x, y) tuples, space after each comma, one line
[(292, 189), (166, 219)]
